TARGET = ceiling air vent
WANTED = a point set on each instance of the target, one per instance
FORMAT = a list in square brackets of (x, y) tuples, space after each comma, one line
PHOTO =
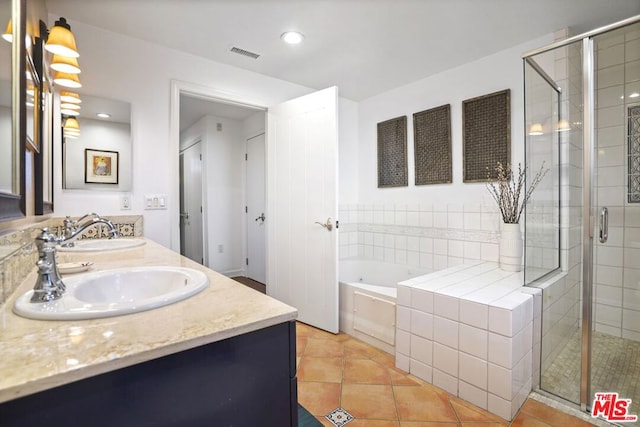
[(245, 52)]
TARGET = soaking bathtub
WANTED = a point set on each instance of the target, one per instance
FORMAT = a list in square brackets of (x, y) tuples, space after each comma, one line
[(368, 299)]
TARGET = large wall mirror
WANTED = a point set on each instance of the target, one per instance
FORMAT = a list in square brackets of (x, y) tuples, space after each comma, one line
[(10, 149), (100, 158)]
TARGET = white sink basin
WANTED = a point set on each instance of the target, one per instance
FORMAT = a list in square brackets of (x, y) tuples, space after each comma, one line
[(94, 245), (116, 292)]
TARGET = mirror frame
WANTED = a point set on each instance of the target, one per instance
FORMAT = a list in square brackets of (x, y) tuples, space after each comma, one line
[(12, 206), (41, 109)]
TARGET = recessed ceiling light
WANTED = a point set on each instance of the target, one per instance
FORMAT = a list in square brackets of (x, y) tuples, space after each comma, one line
[(103, 115), (634, 95), (292, 37)]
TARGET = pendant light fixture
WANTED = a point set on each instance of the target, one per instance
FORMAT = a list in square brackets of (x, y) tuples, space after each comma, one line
[(71, 127), (536, 129), (8, 33), (65, 64), (563, 125), (67, 80), (61, 40), (70, 97)]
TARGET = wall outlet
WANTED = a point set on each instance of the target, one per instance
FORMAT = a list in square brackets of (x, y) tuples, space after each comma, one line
[(125, 203)]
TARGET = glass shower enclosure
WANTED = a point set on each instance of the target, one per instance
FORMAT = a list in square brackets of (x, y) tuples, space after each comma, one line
[(582, 227)]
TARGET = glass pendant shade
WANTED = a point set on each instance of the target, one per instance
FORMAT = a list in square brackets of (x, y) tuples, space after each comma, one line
[(563, 125), (68, 112), (61, 40), (71, 124), (69, 106), (8, 34), (67, 80), (65, 64), (535, 129), (70, 97)]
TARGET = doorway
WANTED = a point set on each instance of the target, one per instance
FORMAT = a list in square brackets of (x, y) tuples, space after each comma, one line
[(221, 130), (590, 334), (301, 188)]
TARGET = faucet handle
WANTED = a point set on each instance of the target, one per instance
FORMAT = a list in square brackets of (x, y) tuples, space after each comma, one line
[(46, 236)]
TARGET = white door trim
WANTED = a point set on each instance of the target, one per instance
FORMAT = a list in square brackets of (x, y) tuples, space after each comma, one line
[(195, 90)]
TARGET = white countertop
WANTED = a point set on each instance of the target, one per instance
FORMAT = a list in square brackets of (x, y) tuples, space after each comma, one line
[(37, 355)]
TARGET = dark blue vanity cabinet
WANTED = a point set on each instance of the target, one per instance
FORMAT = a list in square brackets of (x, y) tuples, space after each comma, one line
[(245, 381)]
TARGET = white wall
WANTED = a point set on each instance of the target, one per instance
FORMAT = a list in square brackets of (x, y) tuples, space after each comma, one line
[(145, 83), (502, 70), (348, 158), (224, 189), (99, 135)]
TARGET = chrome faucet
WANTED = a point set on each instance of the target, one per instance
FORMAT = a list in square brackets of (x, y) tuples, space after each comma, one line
[(71, 226), (49, 285)]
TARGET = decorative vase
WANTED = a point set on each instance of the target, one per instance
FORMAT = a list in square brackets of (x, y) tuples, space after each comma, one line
[(511, 247)]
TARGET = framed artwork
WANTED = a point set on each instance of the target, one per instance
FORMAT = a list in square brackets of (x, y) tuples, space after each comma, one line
[(100, 166), (432, 145), (392, 153), (486, 135)]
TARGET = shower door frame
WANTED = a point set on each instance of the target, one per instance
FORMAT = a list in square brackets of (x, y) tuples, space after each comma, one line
[(588, 189)]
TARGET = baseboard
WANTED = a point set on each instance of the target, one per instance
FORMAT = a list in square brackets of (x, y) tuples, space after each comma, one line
[(234, 273)]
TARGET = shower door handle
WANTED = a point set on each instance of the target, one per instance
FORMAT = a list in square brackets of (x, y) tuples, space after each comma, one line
[(604, 225)]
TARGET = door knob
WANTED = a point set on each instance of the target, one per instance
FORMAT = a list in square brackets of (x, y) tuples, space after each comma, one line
[(184, 215), (328, 225), (261, 217)]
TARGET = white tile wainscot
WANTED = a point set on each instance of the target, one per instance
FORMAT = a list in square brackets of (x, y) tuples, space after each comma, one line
[(469, 330)]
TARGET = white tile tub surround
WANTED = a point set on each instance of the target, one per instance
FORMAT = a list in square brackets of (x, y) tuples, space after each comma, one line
[(469, 330), (421, 235)]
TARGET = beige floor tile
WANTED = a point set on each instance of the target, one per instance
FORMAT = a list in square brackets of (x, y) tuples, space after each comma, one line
[(320, 369), (369, 401), (365, 371), (319, 398), (423, 404), (319, 347)]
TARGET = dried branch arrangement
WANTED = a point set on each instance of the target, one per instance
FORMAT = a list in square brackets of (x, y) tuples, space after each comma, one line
[(506, 190)]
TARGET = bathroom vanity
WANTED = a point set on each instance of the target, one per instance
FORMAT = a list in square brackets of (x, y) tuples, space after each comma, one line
[(224, 357)]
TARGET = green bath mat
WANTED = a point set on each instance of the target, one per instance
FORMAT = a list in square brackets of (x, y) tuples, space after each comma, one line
[(305, 419)]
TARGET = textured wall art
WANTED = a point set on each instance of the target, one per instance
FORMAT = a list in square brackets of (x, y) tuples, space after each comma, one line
[(432, 145), (392, 153), (486, 133), (634, 153)]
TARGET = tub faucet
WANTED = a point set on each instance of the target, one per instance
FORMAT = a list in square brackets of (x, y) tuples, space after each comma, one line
[(49, 285)]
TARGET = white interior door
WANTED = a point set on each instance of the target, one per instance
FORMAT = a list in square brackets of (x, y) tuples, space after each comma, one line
[(256, 246), (191, 229), (302, 177)]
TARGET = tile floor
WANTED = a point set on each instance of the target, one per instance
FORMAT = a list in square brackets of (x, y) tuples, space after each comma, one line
[(338, 371)]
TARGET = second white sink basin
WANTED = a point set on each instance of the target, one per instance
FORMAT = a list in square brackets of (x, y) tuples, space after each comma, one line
[(116, 292), (94, 245)]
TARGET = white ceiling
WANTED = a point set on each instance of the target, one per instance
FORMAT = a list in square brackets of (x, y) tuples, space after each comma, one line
[(365, 47)]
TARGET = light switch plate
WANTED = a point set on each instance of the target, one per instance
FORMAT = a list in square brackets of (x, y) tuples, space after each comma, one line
[(155, 201)]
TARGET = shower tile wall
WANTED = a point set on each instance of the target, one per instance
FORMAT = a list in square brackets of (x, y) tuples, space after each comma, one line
[(428, 236), (617, 269)]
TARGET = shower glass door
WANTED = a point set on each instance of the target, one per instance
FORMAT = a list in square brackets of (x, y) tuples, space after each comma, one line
[(615, 341), (590, 333), (554, 140)]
